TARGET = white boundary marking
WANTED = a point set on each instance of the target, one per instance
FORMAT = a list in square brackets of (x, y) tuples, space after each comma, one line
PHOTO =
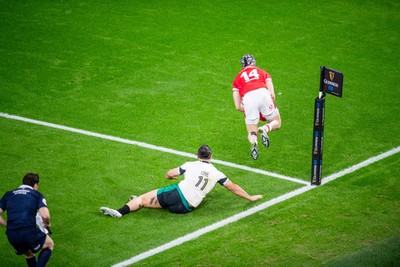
[(213, 227), (226, 221), (360, 165), (253, 210), (149, 146)]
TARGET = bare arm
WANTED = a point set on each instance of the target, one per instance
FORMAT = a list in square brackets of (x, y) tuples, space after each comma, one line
[(44, 212), (2, 220), (238, 101), (172, 173), (270, 87), (237, 190)]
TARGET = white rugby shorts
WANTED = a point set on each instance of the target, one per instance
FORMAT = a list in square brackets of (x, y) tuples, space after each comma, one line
[(256, 102)]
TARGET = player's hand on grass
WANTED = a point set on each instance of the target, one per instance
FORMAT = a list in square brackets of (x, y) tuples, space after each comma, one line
[(172, 173), (171, 177), (255, 197)]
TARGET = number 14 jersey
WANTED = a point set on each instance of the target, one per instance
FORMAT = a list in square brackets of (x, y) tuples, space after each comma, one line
[(250, 78)]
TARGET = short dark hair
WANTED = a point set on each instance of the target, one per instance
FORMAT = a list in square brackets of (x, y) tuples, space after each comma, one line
[(204, 152), (30, 179)]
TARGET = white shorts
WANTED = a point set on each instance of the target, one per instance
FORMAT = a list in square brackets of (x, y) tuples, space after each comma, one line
[(256, 102)]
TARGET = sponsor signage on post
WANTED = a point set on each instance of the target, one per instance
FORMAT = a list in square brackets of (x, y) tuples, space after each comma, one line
[(332, 83)]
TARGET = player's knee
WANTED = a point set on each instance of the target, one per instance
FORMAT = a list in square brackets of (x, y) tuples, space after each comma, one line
[(49, 243)]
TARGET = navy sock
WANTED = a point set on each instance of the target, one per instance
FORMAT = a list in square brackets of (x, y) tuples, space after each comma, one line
[(31, 262), (124, 210), (44, 257)]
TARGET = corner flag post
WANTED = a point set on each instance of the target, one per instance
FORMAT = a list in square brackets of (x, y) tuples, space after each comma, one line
[(318, 135), (331, 82)]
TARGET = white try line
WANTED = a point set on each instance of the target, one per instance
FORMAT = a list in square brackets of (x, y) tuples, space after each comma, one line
[(149, 146), (253, 210)]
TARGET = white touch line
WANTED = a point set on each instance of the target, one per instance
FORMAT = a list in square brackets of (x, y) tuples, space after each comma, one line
[(213, 227), (149, 146), (251, 211), (360, 165)]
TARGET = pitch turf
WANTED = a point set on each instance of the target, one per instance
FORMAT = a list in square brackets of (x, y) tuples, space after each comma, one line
[(160, 72)]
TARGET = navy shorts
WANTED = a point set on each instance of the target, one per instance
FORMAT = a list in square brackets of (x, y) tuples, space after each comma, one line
[(26, 239), (171, 198)]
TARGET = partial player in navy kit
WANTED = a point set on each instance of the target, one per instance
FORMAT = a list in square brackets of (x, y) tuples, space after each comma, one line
[(22, 206)]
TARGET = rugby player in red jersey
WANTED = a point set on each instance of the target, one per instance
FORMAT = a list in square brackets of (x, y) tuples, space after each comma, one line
[(253, 94)]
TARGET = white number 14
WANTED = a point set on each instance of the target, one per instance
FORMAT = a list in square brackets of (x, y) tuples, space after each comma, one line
[(253, 75)]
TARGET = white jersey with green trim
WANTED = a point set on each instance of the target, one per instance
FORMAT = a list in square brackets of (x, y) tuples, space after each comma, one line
[(200, 179)]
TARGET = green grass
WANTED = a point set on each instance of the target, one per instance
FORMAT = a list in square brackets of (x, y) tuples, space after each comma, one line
[(385, 253), (160, 72)]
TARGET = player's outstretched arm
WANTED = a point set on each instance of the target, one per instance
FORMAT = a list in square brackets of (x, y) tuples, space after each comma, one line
[(237, 190)]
